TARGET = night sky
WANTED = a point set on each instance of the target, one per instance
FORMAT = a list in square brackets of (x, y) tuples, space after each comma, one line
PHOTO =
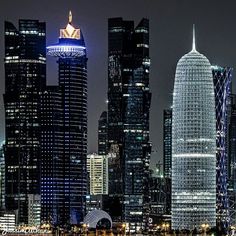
[(170, 38)]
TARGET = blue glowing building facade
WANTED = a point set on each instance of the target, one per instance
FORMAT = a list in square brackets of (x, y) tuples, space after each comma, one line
[(64, 132), (222, 84), (232, 159)]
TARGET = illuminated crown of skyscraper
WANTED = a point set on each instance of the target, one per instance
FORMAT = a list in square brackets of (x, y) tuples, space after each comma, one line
[(70, 31)]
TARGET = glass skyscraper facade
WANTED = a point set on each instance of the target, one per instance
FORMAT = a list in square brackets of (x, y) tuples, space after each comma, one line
[(25, 79), (167, 142), (232, 159), (102, 134), (64, 176), (129, 100), (222, 84), (52, 177), (193, 144)]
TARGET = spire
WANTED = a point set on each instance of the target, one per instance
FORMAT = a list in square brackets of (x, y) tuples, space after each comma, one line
[(70, 31), (70, 17), (194, 43)]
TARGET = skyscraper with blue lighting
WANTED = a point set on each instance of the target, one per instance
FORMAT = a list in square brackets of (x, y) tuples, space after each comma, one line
[(232, 159), (193, 144), (222, 78), (64, 177)]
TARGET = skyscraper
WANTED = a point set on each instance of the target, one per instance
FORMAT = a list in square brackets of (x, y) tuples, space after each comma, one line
[(167, 147), (25, 72), (128, 117), (102, 134), (2, 176), (97, 167), (65, 174), (34, 210), (52, 161), (232, 160), (222, 85), (193, 144)]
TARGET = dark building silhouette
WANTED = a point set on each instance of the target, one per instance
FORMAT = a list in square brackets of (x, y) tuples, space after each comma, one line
[(160, 198), (64, 142), (102, 134), (167, 140), (25, 79), (128, 118), (222, 85)]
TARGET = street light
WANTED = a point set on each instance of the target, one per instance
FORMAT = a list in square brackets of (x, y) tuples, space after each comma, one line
[(165, 226), (85, 228), (204, 228), (124, 228), (232, 229)]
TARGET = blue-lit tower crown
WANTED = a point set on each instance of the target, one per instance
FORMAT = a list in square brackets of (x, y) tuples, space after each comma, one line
[(65, 139), (71, 43)]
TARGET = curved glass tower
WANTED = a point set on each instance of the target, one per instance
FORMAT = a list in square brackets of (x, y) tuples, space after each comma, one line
[(193, 144)]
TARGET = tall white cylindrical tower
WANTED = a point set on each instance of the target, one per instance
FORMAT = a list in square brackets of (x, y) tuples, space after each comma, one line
[(193, 144)]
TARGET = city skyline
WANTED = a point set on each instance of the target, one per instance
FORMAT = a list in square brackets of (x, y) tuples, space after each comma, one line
[(158, 92), (170, 38)]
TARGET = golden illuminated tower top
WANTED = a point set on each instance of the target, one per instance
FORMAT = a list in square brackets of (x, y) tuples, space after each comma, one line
[(70, 17), (70, 31)]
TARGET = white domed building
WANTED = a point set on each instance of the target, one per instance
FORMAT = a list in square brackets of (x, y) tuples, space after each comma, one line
[(98, 219)]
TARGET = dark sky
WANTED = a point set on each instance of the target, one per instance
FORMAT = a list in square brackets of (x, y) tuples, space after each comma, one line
[(170, 38)]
